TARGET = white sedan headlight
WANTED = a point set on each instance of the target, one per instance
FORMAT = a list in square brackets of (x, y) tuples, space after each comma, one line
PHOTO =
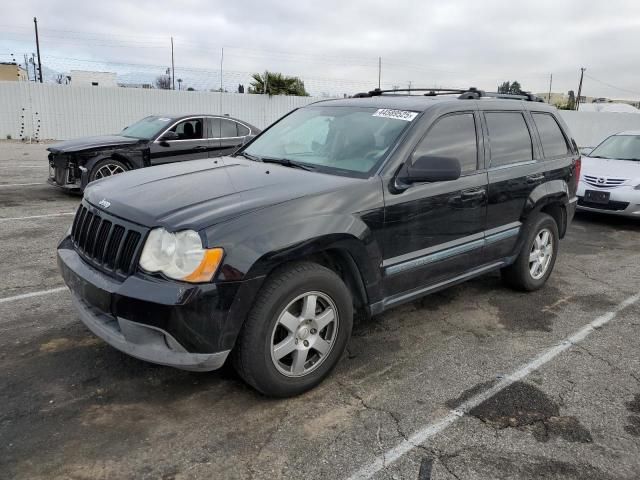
[(180, 256)]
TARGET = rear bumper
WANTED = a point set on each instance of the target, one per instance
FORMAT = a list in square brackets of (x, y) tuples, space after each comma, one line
[(192, 327)]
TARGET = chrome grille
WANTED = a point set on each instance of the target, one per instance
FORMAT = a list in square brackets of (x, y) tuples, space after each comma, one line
[(106, 242), (604, 182)]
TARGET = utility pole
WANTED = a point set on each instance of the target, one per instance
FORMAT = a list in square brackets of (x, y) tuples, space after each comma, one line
[(173, 68), (580, 87), (550, 83), (35, 23), (379, 71), (221, 60)]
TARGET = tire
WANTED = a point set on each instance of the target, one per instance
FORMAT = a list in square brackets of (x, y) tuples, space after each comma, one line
[(525, 274), (103, 167), (280, 302)]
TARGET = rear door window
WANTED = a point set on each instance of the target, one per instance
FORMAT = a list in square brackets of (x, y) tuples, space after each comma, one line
[(554, 143), (214, 128), (451, 136), (509, 138)]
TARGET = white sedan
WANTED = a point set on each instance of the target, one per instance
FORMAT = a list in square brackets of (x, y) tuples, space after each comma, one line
[(610, 176)]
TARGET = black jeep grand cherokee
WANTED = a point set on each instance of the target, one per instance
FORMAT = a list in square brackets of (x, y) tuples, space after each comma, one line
[(353, 204)]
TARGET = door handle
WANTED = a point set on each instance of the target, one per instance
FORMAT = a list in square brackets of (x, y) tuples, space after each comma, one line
[(473, 194), (200, 147), (535, 178)]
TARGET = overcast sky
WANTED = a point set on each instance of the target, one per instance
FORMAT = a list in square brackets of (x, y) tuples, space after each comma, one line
[(334, 45)]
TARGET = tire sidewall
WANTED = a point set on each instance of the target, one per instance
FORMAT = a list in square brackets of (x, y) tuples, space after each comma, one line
[(268, 378)]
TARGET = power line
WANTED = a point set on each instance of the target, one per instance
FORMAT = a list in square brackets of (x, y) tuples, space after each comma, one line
[(611, 86)]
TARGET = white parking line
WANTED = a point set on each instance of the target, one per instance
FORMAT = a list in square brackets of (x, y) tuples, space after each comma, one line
[(21, 184), (432, 429), (37, 216), (32, 294)]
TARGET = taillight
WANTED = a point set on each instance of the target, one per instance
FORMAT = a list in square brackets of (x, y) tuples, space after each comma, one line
[(578, 166)]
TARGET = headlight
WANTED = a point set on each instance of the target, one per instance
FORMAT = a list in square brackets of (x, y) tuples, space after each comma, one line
[(180, 256), (637, 187)]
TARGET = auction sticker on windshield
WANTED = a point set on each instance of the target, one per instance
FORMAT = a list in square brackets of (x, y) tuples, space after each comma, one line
[(405, 115)]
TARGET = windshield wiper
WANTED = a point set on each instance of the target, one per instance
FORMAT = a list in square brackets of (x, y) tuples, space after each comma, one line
[(288, 163), (248, 156)]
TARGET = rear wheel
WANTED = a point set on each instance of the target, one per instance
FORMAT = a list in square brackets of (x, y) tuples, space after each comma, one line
[(107, 168), (537, 258), (296, 331)]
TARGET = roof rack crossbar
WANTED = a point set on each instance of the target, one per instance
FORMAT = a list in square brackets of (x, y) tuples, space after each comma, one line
[(465, 94)]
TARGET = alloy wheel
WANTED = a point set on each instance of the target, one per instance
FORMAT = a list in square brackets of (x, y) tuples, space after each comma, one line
[(541, 254), (108, 170), (304, 334)]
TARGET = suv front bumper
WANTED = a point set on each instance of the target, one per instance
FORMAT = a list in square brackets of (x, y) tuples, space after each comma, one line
[(187, 326), (145, 342)]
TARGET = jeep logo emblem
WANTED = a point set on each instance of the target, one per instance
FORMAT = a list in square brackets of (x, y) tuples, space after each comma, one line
[(104, 204)]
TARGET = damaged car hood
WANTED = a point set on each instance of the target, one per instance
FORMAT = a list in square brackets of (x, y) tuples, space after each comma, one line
[(88, 143)]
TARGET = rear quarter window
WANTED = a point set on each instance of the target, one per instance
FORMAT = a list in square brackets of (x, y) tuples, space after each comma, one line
[(554, 143)]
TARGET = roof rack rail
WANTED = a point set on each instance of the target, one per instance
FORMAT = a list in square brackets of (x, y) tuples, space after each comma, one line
[(471, 93), (430, 91), (475, 94)]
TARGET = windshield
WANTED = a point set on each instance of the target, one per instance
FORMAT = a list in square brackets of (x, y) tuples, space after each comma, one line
[(621, 147), (147, 128), (341, 140)]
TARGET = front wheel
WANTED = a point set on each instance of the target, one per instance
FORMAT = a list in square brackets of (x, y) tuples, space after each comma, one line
[(535, 262), (296, 331), (107, 168)]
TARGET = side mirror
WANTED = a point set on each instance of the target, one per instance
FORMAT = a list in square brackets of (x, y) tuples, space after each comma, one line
[(168, 136), (431, 169)]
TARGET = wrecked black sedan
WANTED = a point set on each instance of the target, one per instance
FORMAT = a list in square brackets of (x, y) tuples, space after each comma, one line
[(152, 141)]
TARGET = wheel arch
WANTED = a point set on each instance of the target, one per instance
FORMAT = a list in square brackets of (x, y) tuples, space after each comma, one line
[(551, 198), (344, 254)]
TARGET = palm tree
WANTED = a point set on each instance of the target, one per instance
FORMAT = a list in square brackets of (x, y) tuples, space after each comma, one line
[(272, 83)]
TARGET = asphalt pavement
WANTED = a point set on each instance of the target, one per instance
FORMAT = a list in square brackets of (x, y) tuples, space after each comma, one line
[(474, 382)]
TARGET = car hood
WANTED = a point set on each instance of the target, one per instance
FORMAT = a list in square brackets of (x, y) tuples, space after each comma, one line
[(610, 168), (201, 193), (88, 143)]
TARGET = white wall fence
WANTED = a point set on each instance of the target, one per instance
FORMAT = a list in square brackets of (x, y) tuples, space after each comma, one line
[(590, 128), (50, 111)]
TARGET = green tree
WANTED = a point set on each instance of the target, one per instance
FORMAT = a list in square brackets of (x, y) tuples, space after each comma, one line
[(571, 102), (512, 88), (272, 83), (504, 87)]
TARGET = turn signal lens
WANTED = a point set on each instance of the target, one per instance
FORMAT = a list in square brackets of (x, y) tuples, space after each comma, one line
[(208, 266)]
